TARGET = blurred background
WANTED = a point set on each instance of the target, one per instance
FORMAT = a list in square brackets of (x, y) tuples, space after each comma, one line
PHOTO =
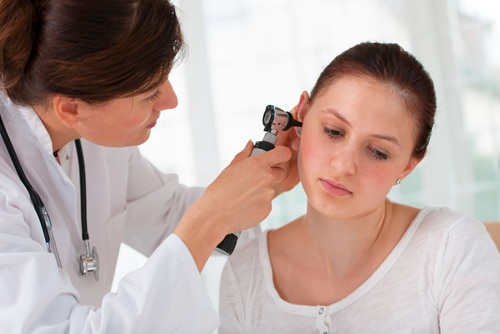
[(246, 54)]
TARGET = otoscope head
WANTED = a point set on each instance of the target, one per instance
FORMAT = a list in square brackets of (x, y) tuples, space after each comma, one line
[(276, 119)]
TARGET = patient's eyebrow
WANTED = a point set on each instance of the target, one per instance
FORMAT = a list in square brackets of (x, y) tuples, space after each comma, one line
[(335, 113), (388, 138)]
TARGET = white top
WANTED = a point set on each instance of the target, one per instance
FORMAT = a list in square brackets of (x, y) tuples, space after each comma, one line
[(127, 200), (442, 277)]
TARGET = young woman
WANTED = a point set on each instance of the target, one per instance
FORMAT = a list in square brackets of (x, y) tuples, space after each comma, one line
[(83, 83), (357, 262)]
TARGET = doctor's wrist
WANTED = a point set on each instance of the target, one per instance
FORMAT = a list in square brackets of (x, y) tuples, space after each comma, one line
[(200, 234)]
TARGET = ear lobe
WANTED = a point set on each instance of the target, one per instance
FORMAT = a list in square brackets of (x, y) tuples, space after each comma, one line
[(66, 109)]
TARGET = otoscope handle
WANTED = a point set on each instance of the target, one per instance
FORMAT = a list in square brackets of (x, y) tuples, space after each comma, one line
[(227, 245), (266, 144)]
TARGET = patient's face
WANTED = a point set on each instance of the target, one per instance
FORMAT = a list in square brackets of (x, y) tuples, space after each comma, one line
[(357, 138)]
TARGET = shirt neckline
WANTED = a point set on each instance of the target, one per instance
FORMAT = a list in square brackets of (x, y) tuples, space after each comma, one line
[(365, 287)]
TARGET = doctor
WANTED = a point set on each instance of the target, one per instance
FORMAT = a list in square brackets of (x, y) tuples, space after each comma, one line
[(84, 83)]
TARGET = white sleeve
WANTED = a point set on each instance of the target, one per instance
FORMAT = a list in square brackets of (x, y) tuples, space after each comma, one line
[(167, 295), (468, 281), (148, 190)]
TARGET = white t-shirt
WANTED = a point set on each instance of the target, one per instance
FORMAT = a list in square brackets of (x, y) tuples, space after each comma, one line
[(442, 277)]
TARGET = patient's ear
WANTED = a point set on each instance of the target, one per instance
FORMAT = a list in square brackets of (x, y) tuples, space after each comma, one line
[(410, 166), (303, 106), (302, 110), (66, 109)]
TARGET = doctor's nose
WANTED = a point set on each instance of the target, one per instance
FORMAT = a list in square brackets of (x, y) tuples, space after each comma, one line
[(167, 98)]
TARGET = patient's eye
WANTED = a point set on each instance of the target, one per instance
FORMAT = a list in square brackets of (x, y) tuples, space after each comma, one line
[(332, 133)]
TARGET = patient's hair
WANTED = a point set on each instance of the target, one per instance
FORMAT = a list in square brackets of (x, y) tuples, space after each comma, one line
[(94, 50), (391, 64)]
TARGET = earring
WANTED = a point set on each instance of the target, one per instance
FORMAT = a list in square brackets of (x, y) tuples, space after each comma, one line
[(398, 181)]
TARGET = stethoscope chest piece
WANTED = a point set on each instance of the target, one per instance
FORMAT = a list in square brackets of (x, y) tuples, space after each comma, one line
[(89, 262)]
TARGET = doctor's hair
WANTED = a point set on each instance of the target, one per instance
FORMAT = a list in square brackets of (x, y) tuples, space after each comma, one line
[(389, 63), (93, 50)]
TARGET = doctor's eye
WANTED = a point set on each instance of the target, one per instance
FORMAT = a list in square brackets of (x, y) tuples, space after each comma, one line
[(154, 97), (333, 133)]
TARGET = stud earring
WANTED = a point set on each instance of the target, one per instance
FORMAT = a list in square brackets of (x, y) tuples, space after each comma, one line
[(398, 181)]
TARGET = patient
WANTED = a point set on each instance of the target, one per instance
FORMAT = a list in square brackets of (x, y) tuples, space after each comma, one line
[(357, 262)]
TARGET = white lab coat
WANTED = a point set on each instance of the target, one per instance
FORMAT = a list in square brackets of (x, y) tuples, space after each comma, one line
[(127, 200)]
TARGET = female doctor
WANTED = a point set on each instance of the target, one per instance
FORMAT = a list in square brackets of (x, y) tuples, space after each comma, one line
[(83, 84)]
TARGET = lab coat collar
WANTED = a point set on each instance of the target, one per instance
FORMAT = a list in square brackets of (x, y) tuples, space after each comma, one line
[(32, 120), (37, 128)]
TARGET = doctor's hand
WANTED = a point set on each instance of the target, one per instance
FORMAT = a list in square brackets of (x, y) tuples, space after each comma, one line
[(239, 198)]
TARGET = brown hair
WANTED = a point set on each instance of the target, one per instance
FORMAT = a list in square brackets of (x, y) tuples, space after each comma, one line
[(391, 64), (94, 50)]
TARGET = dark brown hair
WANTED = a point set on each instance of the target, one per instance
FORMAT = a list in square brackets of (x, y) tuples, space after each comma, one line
[(94, 50), (389, 63)]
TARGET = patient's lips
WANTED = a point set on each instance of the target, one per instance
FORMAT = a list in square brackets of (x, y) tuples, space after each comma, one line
[(336, 189)]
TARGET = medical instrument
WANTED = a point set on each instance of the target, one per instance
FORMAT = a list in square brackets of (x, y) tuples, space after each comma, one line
[(89, 262), (274, 120)]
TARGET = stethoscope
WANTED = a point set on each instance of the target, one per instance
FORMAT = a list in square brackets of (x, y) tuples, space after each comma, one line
[(89, 262)]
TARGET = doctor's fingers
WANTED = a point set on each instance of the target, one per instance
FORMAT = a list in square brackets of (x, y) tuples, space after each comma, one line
[(288, 138), (258, 173), (275, 157), (245, 153), (291, 179), (263, 170), (272, 158), (246, 192)]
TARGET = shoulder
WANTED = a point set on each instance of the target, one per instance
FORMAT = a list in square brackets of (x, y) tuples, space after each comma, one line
[(452, 231), (446, 220), (463, 254)]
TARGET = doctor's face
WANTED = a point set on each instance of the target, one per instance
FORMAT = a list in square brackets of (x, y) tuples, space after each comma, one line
[(357, 139), (126, 121)]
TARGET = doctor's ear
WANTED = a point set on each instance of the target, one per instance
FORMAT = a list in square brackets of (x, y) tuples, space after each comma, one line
[(66, 109)]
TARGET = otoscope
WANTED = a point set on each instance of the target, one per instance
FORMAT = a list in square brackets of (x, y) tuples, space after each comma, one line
[(274, 120)]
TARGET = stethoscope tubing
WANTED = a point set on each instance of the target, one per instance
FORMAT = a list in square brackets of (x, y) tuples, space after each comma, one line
[(83, 187), (89, 262), (35, 198)]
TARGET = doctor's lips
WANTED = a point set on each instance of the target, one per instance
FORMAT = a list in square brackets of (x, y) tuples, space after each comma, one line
[(335, 189)]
